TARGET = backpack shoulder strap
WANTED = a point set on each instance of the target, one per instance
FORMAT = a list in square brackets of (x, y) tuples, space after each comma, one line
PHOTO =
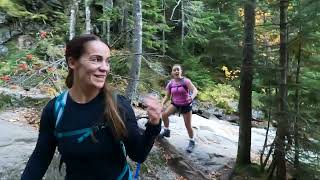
[(170, 84), (183, 83), (59, 105)]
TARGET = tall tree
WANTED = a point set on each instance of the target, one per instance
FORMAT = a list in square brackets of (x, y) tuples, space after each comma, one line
[(279, 153), (163, 31), (107, 8), (182, 24), (73, 18), (137, 48), (88, 16), (245, 109)]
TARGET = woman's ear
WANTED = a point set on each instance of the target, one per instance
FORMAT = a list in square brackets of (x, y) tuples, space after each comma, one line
[(71, 63)]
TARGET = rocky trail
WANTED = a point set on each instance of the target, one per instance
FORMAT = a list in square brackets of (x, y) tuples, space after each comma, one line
[(214, 154)]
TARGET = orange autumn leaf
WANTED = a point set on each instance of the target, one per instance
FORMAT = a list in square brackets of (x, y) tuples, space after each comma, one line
[(51, 69), (5, 78), (23, 66), (29, 56), (43, 34)]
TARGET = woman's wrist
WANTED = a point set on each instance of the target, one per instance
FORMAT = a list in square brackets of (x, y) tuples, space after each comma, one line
[(154, 122)]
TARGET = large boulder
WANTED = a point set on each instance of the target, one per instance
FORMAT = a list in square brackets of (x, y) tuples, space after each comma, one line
[(3, 18)]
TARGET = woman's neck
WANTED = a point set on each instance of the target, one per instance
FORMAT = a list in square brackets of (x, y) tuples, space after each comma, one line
[(178, 78), (83, 95)]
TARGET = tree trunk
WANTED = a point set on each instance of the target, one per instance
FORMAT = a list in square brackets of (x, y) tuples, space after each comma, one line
[(104, 23), (73, 18), (182, 25), (297, 109), (137, 48), (280, 158), (163, 32), (107, 7), (180, 163), (263, 163), (88, 18), (245, 110), (125, 24)]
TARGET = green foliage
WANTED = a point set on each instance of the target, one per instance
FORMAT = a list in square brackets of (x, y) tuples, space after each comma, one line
[(256, 100), (251, 171), (153, 25), (13, 9), (17, 10), (221, 94), (194, 70), (5, 101)]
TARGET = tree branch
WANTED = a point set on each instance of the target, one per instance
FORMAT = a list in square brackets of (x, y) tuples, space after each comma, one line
[(174, 9)]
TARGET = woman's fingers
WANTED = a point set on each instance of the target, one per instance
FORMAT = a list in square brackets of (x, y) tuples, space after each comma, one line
[(154, 109)]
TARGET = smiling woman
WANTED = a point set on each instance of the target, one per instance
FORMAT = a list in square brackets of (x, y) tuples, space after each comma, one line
[(95, 128)]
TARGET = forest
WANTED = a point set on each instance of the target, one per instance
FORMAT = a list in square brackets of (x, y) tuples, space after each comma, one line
[(243, 56)]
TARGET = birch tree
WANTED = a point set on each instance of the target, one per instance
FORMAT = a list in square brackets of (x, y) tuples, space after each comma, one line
[(163, 31), (245, 102), (73, 18), (88, 17), (182, 25), (137, 49)]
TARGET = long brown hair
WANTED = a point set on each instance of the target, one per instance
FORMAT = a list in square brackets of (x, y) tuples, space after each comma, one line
[(74, 49)]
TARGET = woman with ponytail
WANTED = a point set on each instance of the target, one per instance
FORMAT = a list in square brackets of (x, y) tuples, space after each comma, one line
[(96, 127)]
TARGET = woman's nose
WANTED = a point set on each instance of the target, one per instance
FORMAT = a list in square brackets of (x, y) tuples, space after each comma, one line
[(104, 66)]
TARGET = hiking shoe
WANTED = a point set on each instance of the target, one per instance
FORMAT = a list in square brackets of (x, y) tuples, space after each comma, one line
[(165, 133), (190, 146)]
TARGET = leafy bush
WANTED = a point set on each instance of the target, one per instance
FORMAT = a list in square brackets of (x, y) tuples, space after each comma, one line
[(221, 95), (256, 100)]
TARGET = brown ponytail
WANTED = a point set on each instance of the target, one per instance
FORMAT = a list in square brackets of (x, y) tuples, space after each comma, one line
[(69, 79), (112, 113)]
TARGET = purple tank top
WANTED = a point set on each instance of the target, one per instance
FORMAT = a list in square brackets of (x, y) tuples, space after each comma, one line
[(179, 91)]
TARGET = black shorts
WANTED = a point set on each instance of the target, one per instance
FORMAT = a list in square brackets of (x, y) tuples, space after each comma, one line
[(183, 108)]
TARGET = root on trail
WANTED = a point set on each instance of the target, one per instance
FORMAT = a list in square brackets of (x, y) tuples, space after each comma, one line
[(180, 163)]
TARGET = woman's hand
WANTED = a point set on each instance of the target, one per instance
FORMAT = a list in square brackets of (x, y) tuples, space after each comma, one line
[(154, 109)]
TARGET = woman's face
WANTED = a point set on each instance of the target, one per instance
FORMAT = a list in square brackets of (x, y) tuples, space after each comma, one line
[(176, 72), (92, 68)]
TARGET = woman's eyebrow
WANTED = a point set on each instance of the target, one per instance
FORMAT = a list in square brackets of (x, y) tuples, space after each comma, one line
[(95, 55)]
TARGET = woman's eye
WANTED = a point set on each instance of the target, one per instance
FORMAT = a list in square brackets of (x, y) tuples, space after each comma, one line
[(96, 59)]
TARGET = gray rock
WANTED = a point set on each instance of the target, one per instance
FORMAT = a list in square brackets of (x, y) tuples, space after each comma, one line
[(25, 41), (16, 144), (216, 141), (3, 18), (4, 34), (3, 50)]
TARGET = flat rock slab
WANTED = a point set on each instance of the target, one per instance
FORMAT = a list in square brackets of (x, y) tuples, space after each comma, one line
[(216, 141), (17, 142)]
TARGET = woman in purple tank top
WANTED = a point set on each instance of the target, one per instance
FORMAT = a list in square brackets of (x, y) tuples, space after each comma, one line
[(181, 91)]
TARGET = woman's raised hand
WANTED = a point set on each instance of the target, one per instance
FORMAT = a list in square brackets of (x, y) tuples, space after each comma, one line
[(154, 109)]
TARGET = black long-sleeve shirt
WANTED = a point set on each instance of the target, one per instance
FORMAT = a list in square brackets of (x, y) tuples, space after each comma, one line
[(88, 160)]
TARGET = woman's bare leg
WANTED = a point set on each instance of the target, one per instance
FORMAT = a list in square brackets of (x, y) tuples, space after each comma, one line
[(187, 121), (165, 116)]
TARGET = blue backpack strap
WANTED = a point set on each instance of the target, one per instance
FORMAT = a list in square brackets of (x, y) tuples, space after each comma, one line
[(126, 166), (59, 105), (136, 174)]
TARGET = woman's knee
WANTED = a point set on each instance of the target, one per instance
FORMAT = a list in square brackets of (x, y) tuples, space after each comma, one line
[(165, 115)]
